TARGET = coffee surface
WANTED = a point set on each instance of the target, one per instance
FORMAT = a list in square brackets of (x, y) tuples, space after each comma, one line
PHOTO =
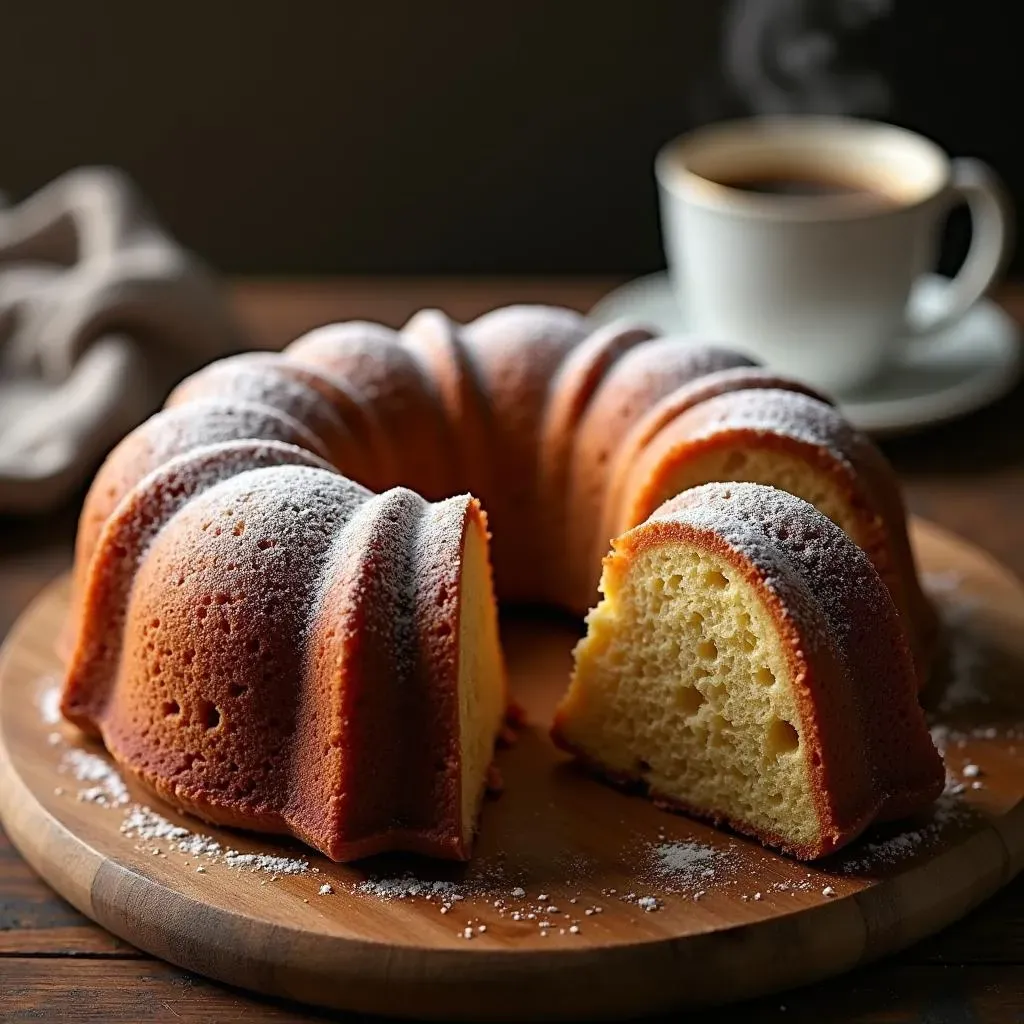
[(800, 184)]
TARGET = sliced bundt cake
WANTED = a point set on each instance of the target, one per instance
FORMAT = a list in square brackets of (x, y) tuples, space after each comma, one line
[(566, 433)]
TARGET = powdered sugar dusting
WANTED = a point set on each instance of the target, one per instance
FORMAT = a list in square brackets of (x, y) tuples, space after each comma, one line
[(869, 855), (152, 829), (482, 896), (957, 608), (270, 863), (147, 824), (184, 429), (690, 864), (409, 887), (106, 785), (155, 834), (263, 379), (824, 581), (48, 700), (789, 414)]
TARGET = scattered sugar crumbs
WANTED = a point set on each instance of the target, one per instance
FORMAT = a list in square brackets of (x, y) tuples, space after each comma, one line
[(871, 854), (486, 891), (687, 868), (104, 783), (409, 887), (957, 608), (151, 830), (951, 743), (48, 700)]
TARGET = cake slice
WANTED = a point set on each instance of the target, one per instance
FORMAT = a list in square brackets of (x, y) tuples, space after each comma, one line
[(747, 664)]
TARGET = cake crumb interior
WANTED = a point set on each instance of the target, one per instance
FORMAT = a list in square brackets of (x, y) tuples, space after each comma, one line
[(681, 682)]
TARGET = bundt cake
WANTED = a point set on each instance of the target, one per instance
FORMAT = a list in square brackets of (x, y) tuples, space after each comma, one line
[(565, 434), (747, 664)]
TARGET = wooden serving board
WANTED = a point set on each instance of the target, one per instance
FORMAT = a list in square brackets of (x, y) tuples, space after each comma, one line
[(582, 901)]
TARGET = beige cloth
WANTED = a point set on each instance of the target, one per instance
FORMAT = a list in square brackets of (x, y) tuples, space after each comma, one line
[(101, 313)]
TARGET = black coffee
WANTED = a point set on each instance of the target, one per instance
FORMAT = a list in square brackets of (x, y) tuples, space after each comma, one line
[(800, 185)]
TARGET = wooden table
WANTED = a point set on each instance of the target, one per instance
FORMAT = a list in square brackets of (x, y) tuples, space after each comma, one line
[(968, 476)]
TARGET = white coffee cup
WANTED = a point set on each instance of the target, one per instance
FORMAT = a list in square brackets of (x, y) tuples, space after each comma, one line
[(818, 285)]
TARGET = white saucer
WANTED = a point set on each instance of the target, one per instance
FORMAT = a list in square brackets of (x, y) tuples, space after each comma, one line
[(959, 370)]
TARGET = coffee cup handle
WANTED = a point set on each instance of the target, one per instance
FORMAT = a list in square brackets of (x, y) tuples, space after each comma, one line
[(976, 184)]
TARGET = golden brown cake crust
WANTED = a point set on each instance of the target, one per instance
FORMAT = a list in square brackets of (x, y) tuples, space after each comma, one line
[(391, 780), (161, 438), (267, 378), (443, 350), (517, 352)]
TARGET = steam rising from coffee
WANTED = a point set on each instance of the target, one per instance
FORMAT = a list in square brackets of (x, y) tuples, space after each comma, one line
[(798, 56)]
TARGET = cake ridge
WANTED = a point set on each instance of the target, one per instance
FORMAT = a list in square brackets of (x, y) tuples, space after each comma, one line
[(267, 379), (133, 526)]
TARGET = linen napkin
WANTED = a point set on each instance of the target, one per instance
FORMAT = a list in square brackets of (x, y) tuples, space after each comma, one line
[(101, 313)]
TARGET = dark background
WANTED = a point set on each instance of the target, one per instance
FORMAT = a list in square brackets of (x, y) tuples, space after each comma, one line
[(439, 136)]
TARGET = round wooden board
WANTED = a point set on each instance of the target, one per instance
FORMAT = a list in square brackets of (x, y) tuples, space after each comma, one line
[(732, 919)]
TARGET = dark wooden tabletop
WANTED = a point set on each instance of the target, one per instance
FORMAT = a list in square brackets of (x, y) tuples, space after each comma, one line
[(967, 476)]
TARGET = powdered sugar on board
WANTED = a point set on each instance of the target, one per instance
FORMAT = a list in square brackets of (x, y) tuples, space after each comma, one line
[(157, 833), (689, 867), (104, 784), (966, 662), (872, 854), (48, 692), (100, 783), (270, 863), (48, 700), (410, 887)]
